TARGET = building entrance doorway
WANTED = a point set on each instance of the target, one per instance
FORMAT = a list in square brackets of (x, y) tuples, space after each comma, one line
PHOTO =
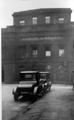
[(61, 75)]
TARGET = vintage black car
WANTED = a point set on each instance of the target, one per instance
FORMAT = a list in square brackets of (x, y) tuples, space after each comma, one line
[(30, 83), (45, 76)]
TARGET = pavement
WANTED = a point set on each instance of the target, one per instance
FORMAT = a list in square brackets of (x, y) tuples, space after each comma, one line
[(58, 104)]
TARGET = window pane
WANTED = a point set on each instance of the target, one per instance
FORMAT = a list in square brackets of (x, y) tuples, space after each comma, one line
[(48, 53), (22, 22), (34, 51), (34, 20), (27, 77), (61, 52), (47, 19), (61, 20)]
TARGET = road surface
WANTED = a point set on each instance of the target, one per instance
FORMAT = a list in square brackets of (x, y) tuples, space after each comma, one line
[(10, 108)]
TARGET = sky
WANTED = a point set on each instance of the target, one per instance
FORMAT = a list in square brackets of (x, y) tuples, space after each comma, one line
[(8, 7)]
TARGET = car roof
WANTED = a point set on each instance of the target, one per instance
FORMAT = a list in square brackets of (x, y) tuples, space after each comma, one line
[(28, 71)]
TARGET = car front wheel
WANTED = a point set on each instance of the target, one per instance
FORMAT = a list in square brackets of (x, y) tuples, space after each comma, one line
[(16, 97)]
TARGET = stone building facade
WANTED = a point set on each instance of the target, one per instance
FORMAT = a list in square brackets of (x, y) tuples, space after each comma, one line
[(40, 39)]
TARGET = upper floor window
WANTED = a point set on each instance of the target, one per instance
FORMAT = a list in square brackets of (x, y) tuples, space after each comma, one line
[(34, 20), (47, 51), (34, 51), (47, 19), (61, 52), (22, 51), (22, 22), (61, 20)]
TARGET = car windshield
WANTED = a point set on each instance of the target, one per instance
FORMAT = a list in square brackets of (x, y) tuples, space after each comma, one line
[(42, 75), (27, 77)]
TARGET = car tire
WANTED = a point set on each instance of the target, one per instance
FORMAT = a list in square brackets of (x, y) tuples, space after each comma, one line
[(16, 97), (49, 88)]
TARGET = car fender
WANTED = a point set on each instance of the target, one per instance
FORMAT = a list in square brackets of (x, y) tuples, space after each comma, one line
[(14, 90), (42, 85), (35, 90)]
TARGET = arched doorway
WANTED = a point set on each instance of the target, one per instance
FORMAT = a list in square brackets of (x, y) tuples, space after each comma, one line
[(21, 68)]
